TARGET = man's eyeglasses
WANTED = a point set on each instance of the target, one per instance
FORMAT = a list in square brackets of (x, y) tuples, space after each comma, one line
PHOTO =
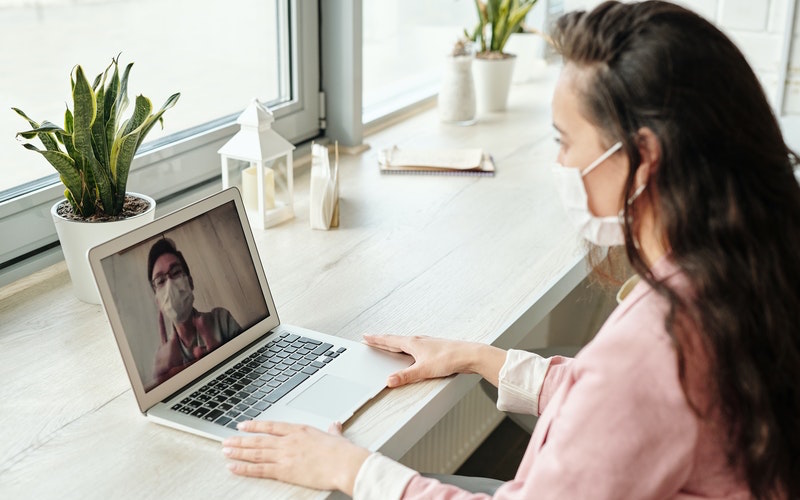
[(176, 271)]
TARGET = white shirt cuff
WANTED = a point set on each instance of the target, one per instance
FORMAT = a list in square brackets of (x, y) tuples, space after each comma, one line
[(381, 477), (520, 382)]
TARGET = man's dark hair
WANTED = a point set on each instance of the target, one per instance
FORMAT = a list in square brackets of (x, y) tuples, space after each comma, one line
[(159, 248)]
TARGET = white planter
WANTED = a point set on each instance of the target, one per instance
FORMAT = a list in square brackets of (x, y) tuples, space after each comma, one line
[(492, 82), (78, 237)]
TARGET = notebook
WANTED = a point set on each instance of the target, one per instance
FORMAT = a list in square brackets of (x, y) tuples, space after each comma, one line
[(458, 162), (194, 319)]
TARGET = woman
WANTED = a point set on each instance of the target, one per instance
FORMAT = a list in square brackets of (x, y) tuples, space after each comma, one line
[(690, 388)]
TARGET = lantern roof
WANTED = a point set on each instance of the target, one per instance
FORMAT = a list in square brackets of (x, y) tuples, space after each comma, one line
[(256, 141)]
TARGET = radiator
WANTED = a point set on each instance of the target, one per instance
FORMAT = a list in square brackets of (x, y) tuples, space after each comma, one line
[(450, 442)]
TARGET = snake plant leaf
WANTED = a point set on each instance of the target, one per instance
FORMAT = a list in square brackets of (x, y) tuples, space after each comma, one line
[(48, 140), (69, 121), (66, 137), (515, 19), (96, 82), (500, 25), (85, 110), (492, 15), (122, 154), (158, 116), (122, 97), (67, 170), (99, 126), (110, 105), (141, 111), (45, 127)]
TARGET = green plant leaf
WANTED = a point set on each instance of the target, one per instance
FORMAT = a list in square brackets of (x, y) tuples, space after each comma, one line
[(141, 111), (515, 19), (110, 105), (48, 140), (99, 125), (121, 157), (85, 110), (157, 117), (70, 177), (122, 97), (96, 82), (125, 148)]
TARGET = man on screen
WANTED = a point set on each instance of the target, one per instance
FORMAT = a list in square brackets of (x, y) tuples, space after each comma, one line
[(186, 334)]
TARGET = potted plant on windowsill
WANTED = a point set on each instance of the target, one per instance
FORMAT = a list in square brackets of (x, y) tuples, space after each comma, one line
[(493, 68), (92, 154)]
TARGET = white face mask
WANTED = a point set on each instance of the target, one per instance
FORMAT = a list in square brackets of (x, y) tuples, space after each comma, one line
[(175, 299), (603, 231)]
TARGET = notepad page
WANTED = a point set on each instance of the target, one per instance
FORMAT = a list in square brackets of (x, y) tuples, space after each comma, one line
[(457, 159)]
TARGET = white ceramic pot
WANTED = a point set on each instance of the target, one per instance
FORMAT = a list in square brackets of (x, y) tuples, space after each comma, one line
[(492, 82), (78, 237)]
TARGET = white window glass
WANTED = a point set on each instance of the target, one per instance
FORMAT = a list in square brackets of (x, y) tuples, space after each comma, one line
[(404, 43), (218, 55)]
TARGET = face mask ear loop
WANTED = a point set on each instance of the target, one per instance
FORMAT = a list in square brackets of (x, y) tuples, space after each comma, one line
[(613, 149), (629, 202)]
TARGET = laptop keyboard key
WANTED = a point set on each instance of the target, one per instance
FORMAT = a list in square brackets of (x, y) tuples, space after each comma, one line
[(261, 405), (285, 388), (200, 412), (321, 348), (213, 415)]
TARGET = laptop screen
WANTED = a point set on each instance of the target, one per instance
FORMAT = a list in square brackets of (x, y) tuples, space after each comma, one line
[(185, 292)]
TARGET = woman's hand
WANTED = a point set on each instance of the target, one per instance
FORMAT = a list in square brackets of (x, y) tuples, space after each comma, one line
[(296, 454), (435, 357)]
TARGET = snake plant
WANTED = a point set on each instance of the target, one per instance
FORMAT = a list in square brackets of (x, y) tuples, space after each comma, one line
[(93, 152), (497, 20)]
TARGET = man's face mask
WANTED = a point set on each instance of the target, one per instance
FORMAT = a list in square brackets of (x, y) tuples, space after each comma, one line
[(175, 299), (602, 231)]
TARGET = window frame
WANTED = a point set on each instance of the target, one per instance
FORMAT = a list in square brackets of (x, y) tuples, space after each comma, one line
[(171, 168)]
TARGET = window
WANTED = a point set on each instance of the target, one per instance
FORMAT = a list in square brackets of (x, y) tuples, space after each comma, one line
[(218, 55), (404, 43)]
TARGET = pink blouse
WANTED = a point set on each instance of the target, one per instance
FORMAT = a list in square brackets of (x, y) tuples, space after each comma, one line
[(614, 421)]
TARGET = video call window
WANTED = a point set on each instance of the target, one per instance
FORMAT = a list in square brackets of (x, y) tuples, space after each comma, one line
[(185, 292)]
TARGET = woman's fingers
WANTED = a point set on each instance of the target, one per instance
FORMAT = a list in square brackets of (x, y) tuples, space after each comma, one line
[(265, 471), (269, 427), (335, 428), (250, 454), (405, 376), (393, 343)]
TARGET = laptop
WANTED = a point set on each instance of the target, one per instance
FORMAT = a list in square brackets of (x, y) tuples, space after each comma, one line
[(191, 310)]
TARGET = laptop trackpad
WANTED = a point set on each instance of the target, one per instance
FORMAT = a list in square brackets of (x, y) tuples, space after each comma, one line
[(331, 397)]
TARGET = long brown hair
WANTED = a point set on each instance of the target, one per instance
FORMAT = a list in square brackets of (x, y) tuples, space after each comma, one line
[(728, 203)]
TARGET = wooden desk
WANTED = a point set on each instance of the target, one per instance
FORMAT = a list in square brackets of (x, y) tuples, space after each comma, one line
[(459, 257)]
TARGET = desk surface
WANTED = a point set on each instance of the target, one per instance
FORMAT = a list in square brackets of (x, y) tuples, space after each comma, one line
[(461, 257)]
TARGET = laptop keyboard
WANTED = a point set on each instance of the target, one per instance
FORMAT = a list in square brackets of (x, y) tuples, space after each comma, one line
[(258, 381)]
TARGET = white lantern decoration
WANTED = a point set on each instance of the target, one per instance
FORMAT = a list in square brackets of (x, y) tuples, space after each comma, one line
[(267, 181)]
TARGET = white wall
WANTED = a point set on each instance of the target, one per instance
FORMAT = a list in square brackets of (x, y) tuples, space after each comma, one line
[(758, 27)]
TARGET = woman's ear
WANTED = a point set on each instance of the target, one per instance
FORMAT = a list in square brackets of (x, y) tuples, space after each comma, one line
[(650, 153)]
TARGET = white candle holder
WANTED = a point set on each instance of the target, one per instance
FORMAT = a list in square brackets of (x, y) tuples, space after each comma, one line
[(267, 181)]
